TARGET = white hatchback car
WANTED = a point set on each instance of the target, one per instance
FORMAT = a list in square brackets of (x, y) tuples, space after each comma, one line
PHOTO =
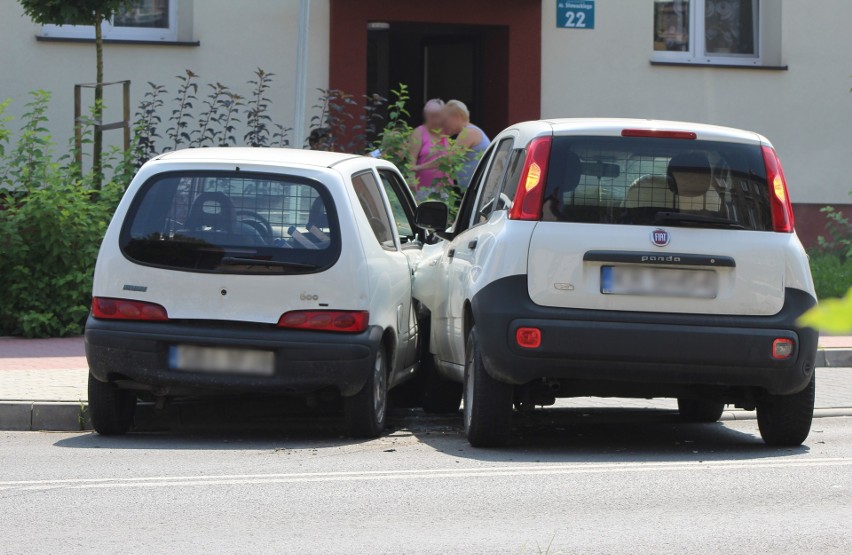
[(255, 270), (623, 258)]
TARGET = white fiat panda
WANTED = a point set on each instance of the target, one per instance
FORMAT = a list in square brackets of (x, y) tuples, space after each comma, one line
[(255, 270), (620, 258)]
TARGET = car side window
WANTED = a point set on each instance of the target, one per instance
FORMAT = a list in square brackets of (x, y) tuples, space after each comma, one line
[(493, 183), (463, 219), (370, 197), (403, 211), (513, 176)]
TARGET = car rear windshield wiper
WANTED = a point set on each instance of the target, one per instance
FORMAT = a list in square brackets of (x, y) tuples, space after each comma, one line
[(238, 261), (694, 219)]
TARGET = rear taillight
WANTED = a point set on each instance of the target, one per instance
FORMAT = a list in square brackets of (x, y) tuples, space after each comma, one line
[(782, 208), (659, 134), (326, 320), (783, 348), (528, 338), (530, 195), (125, 309)]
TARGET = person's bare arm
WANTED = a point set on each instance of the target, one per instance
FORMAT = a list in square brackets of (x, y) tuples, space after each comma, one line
[(414, 144), (469, 138)]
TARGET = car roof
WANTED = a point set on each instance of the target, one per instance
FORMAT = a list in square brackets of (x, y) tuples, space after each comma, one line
[(614, 127), (262, 155)]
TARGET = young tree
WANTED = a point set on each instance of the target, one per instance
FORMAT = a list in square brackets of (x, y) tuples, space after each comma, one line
[(82, 12)]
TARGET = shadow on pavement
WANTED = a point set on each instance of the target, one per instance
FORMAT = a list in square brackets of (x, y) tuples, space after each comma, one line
[(600, 434), (554, 435)]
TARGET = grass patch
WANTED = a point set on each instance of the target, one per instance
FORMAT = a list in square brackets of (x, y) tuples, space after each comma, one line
[(832, 275)]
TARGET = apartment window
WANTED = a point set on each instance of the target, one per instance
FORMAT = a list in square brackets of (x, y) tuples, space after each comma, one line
[(143, 20), (724, 32)]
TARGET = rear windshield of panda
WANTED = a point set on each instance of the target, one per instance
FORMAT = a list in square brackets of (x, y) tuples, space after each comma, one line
[(232, 222), (657, 181)]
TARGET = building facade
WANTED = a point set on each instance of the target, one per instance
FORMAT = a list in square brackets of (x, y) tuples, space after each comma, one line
[(779, 67)]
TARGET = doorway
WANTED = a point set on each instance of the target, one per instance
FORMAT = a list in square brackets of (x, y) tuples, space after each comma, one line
[(442, 61), (486, 53)]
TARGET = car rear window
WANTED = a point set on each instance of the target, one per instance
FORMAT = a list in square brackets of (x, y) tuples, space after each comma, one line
[(657, 181), (232, 222)]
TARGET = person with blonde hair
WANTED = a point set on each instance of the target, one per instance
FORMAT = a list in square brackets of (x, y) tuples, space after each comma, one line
[(427, 144), (457, 124)]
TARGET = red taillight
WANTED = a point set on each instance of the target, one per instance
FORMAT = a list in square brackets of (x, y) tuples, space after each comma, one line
[(528, 338), (783, 348), (530, 195), (782, 208), (326, 320), (659, 134), (125, 309)]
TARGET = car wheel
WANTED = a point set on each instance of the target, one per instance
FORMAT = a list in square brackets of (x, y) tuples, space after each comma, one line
[(110, 408), (487, 402), (440, 396), (700, 410), (785, 420), (365, 412)]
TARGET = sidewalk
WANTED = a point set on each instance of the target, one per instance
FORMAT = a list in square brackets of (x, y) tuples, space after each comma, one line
[(43, 384)]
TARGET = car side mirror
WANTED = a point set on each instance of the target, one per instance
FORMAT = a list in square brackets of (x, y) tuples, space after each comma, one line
[(432, 215)]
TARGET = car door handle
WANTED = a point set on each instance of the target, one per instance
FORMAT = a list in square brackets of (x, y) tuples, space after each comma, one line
[(472, 244), (452, 253)]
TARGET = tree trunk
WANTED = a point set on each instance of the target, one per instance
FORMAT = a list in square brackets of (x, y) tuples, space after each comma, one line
[(98, 114)]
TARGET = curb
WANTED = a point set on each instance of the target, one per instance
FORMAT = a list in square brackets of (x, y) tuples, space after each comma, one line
[(46, 416), (834, 358)]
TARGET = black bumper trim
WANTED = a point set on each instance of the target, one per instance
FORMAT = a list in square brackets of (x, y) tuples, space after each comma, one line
[(304, 361), (638, 347)]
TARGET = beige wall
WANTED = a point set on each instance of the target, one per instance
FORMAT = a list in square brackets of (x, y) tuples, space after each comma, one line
[(805, 111), (236, 38)]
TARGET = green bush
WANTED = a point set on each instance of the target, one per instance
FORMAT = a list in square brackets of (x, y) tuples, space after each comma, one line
[(52, 220), (832, 275)]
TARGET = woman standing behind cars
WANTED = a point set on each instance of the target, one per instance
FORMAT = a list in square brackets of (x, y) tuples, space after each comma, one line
[(457, 124), (426, 146)]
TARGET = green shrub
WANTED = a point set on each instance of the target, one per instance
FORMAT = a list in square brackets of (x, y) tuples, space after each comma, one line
[(52, 220), (832, 275)]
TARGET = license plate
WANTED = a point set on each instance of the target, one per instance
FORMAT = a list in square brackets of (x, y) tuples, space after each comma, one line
[(659, 282), (222, 361)]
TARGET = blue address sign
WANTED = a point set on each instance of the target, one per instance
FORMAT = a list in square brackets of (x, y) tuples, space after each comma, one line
[(575, 14)]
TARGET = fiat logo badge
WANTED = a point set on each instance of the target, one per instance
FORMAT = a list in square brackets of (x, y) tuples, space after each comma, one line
[(661, 237)]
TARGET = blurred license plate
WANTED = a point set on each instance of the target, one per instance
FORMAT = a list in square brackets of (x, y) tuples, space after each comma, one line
[(225, 361), (659, 282)]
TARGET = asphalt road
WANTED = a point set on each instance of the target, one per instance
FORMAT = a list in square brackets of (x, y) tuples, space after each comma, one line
[(575, 481)]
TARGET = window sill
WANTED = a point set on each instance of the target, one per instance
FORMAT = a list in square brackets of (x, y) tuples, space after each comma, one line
[(41, 38), (722, 66)]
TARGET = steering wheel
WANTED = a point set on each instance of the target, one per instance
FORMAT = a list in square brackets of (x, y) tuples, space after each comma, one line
[(258, 222)]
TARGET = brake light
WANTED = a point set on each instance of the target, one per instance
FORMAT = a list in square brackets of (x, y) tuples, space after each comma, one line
[(125, 309), (782, 208), (326, 320), (530, 195), (782, 348), (659, 134), (528, 338)]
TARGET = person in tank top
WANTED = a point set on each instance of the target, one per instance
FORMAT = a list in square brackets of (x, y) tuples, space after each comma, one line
[(457, 124), (426, 145)]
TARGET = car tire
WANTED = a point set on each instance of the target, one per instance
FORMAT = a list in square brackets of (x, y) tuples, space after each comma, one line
[(440, 396), (487, 402), (366, 411), (702, 411), (111, 409), (785, 420)]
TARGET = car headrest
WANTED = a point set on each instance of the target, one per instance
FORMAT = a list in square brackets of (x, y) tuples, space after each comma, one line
[(318, 216), (214, 209), (690, 174), (565, 176)]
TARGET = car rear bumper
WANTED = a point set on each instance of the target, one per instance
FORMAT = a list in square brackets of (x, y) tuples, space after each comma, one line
[(137, 353), (642, 348)]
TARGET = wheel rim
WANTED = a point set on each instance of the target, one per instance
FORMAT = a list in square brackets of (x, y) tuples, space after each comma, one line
[(468, 392), (379, 392)]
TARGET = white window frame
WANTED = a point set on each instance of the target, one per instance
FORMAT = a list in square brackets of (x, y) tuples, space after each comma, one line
[(111, 32), (697, 45)]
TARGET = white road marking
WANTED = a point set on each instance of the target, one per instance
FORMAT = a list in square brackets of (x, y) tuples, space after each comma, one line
[(543, 469)]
